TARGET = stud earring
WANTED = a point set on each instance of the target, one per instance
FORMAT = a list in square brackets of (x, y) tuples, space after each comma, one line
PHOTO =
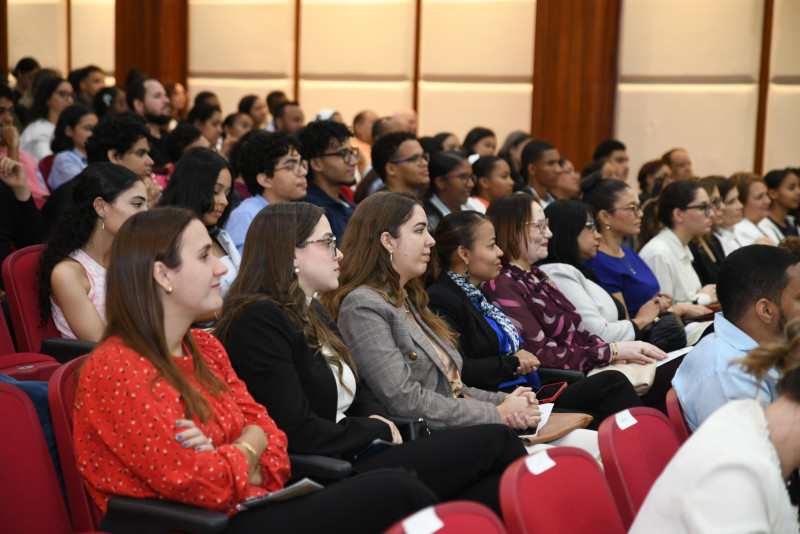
[(297, 270), (169, 290), (608, 226)]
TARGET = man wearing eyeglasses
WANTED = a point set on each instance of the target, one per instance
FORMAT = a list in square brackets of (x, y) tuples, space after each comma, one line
[(331, 164), (401, 163)]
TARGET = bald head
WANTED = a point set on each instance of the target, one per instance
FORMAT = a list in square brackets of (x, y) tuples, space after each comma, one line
[(406, 120)]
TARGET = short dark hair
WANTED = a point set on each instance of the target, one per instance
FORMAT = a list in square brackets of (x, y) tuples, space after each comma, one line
[(316, 138), (752, 273), (441, 163), (183, 135), (192, 183), (118, 131), (202, 97), (431, 145), (89, 69), (202, 112), (775, 178), (454, 230), (533, 152), (569, 219), (380, 127), (272, 97), (605, 148), (260, 154), (70, 117), (385, 148), (602, 194), (676, 195), (595, 166), (7, 93), (137, 91), (281, 108), (25, 65)]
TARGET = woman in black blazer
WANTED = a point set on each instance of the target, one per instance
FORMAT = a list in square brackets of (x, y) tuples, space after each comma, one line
[(467, 239), (285, 347)]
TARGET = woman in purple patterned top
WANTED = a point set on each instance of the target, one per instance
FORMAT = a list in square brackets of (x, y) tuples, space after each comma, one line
[(550, 326)]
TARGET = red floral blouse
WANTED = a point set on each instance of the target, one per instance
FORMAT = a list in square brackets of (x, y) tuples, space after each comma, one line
[(124, 432), (550, 326)]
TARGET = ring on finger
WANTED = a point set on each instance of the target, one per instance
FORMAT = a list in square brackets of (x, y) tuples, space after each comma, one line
[(642, 350)]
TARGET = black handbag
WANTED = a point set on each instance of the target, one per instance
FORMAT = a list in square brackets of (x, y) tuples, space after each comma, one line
[(667, 334)]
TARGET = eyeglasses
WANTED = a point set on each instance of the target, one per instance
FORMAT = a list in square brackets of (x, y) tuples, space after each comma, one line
[(717, 203), (464, 177), (541, 225), (633, 208), (590, 225), (297, 167), (329, 241), (414, 159), (66, 94), (347, 154), (705, 207)]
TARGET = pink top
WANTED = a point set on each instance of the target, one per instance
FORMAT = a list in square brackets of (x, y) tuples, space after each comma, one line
[(97, 292), (36, 183)]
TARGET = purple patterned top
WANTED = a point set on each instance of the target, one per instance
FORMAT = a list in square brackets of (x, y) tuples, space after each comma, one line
[(550, 326)]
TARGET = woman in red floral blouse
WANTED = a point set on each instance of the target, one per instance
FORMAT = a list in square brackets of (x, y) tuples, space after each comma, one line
[(159, 412)]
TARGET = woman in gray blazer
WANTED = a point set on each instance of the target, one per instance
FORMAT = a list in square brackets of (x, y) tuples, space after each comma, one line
[(405, 352)]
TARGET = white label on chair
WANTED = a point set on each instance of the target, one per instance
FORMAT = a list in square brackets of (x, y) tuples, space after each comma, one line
[(423, 522), (625, 419), (539, 462)]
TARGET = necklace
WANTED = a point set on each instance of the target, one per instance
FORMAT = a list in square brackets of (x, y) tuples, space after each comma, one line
[(627, 264)]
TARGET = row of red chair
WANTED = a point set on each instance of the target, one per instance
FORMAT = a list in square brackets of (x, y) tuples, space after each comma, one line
[(563, 490)]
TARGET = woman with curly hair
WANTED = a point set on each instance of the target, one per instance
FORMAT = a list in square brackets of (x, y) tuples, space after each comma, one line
[(73, 266)]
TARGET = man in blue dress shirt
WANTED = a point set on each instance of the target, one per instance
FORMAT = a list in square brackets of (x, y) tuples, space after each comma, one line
[(759, 291), (331, 164)]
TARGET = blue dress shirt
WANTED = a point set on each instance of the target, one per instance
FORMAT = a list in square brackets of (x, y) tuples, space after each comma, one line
[(240, 219), (338, 211)]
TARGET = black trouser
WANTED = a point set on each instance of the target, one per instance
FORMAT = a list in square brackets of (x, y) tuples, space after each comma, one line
[(464, 463), (656, 397), (598, 395), (366, 503)]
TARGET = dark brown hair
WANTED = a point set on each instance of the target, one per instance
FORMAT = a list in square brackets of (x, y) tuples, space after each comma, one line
[(267, 274), (509, 215), (133, 301)]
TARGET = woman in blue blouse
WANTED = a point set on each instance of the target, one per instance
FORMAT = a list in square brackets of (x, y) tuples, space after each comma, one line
[(620, 270)]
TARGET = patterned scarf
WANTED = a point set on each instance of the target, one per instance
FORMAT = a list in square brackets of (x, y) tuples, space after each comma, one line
[(488, 309)]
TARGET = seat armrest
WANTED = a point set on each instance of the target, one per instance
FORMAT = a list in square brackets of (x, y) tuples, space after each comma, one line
[(319, 468), (405, 424), (128, 515), (548, 375), (64, 350)]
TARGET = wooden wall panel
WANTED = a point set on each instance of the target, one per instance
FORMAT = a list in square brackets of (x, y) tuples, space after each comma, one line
[(575, 74), (4, 38), (152, 35)]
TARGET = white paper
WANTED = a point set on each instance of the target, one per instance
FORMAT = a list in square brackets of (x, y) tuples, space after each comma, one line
[(674, 354), (423, 522), (539, 462), (546, 410), (301, 487), (625, 419)]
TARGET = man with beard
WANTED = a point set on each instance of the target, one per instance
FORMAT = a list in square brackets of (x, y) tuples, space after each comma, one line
[(148, 99), (759, 292)]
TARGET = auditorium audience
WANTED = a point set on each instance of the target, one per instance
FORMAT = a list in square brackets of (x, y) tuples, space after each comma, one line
[(783, 189), (492, 179), (254, 106), (568, 182), (451, 182), (179, 101), (274, 99), (405, 120), (759, 291), (652, 178), (449, 141), (147, 98), (90, 80), (110, 100), (73, 130), (617, 154), (679, 163), (362, 139), (480, 141), (218, 447), (24, 71), (10, 147), (289, 118), (201, 183), (706, 249), (72, 274), (326, 146), (208, 119), (52, 96), (511, 151), (400, 162), (540, 169), (732, 211), (754, 196), (234, 127), (184, 137), (274, 171), (286, 348), (731, 475)]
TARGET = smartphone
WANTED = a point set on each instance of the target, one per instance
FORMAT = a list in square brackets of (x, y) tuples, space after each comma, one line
[(375, 447), (550, 392)]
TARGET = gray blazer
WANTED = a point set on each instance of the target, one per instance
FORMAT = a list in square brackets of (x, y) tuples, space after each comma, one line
[(402, 367)]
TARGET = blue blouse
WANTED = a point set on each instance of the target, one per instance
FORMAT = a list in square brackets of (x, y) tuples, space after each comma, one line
[(629, 275)]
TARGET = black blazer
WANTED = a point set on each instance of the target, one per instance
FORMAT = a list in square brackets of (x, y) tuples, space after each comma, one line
[(484, 366), (271, 354)]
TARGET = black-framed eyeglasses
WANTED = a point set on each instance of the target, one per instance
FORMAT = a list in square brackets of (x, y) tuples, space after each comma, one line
[(414, 159), (464, 177), (541, 225), (634, 208), (347, 154), (297, 167), (329, 241), (705, 207)]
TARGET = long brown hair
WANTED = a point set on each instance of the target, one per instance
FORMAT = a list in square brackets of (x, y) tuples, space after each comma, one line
[(133, 301), (510, 214), (267, 274), (366, 261)]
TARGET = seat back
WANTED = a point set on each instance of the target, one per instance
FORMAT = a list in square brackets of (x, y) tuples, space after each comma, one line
[(46, 165), (676, 417), (61, 396), (635, 446), (25, 365), (456, 517), (558, 490), (21, 278), (30, 497)]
